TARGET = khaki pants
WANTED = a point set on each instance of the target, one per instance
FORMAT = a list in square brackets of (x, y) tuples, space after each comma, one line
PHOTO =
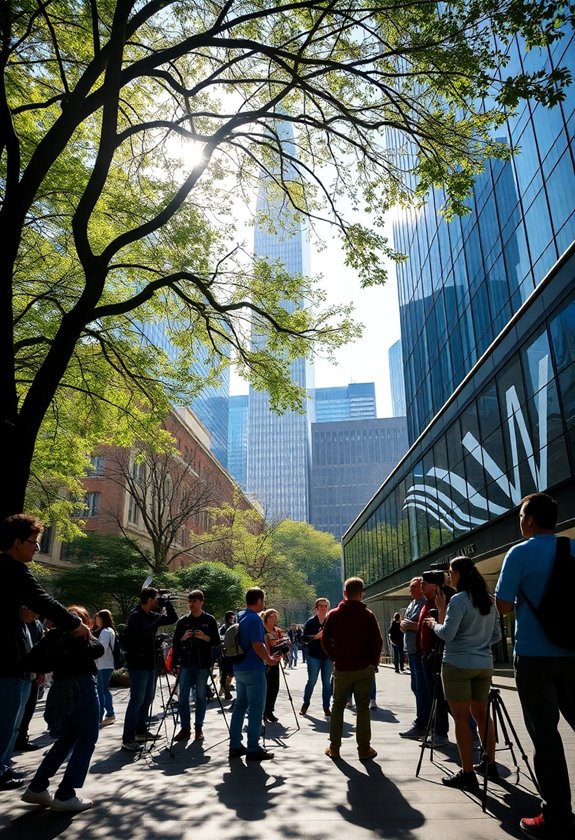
[(358, 682)]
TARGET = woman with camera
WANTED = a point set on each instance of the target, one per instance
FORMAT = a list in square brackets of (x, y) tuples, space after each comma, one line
[(468, 625), (276, 642)]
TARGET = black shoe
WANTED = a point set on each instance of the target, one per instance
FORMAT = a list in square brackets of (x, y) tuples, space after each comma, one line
[(10, 782), (26, 746), (259, 755), (304, 708), (492, 771), (237, 752), (462, 781), (271, 718)]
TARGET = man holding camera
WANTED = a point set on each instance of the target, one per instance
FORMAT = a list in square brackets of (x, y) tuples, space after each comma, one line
[(140, 644), (195, 636)]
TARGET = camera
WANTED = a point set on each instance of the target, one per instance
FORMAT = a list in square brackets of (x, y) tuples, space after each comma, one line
[(434, 576), (282, 648), (165, 597)]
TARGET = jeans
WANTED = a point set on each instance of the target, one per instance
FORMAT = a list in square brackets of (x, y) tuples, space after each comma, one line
[(104, 693), (398, 657), (250, 698), (193, 675), (13, 696), (419, 688), (360, 683), (314, 667), (546, 687), (142, 691), (293, 655), (80, 731)]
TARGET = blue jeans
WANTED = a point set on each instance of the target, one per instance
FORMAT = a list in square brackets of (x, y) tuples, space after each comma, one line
[(293, 655), (104, 693), (78, 738), (398, 657), (142, 691), (251, 698), (314, 668), (419, 688), (192, 675), (14, 693)]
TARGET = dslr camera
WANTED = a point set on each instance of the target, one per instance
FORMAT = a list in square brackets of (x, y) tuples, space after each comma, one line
[(164, 598), (434, 576)]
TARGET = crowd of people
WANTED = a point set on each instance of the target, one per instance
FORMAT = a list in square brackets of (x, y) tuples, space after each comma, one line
[(444, 639)]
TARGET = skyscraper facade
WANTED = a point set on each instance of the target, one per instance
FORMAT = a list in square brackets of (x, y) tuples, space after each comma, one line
[(350, 460), (396, 382), (488, 324), (279, 445), (355, 401), (238, 439)]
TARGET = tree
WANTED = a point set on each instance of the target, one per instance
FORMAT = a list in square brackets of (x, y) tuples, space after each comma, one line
[(167, 496), (316, 554), (107, 573), (223, 588), (126, 129)]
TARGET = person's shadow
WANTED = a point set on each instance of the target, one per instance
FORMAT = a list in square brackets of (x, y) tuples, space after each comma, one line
[(375, 803), (249, 790)]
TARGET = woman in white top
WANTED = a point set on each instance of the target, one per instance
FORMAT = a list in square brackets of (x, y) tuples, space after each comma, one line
[(106, 636)]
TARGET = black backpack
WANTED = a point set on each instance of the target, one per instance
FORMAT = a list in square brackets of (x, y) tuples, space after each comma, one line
[(557, 622), (119, 659)]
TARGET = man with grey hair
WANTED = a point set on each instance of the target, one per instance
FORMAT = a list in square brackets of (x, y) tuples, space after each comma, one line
[(409, 626)]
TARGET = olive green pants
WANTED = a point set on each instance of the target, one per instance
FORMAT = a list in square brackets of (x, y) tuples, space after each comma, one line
[(358, 683)]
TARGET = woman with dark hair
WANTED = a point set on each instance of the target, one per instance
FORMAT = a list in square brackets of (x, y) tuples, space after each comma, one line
[(74, 693), (468, 625), (395, 635), (274, 640), (105, 632)]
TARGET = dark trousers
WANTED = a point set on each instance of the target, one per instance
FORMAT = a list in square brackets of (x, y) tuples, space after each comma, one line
[(546, 687), (29, 709), (431, 666), (273, 687)]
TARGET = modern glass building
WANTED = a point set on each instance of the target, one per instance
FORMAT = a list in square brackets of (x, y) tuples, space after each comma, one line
[(349, 458), (355, 401), (488, 335), (398, 405), (279, 445), (238, 438)]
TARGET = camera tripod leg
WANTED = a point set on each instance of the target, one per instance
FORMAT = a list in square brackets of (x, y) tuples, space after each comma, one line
[(429, 730), (290, 698), (219, 699), (504, 718)]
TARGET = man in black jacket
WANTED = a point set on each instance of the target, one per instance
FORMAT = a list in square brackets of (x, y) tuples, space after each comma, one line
[(195, 636), (19, 535), (140, 642)]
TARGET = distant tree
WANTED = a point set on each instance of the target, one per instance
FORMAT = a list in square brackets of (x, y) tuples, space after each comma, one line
[(223, 588), (166, 495), (128, 128), (315, 554), (107, 573)]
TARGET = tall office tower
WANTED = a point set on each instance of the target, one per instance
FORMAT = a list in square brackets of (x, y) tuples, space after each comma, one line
[(238, 439), (355, 401), (211, 404), (279, 446), (350, 460), (396, 380), (488, 323)]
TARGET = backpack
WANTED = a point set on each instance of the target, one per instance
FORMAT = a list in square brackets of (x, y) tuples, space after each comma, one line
[(232, 650), (557, 623)]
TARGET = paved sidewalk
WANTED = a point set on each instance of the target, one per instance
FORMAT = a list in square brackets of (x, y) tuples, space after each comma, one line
[(199, 793)]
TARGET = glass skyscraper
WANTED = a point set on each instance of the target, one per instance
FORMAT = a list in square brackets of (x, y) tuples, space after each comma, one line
[(487, 305), (279, 445), (355, 401), (238, 439), (396, 382)]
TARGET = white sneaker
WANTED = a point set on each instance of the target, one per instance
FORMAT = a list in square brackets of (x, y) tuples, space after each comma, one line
[(372, 704), (43, 797), (76, 803)]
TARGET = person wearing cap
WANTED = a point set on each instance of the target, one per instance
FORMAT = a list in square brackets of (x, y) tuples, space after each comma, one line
[(194, 637)]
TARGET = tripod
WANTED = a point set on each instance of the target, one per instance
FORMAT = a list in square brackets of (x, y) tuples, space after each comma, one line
[(501, 720), (290, 698), (429, 737)]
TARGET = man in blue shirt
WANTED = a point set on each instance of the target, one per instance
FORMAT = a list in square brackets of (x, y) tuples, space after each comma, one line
[(544, 672), (250, 676)]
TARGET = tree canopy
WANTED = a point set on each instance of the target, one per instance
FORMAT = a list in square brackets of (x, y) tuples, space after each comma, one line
[(129, 132)]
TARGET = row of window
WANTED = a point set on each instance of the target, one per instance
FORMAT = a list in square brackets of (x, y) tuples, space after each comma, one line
[(515, 437)]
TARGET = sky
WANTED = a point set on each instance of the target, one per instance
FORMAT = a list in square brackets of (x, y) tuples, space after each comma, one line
[(366, 360)]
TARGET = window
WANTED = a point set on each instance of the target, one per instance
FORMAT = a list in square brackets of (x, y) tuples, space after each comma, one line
[(96, 465), (91, 504)]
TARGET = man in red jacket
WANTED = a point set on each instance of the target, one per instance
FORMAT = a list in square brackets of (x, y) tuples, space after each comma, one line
[(352, 640)]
